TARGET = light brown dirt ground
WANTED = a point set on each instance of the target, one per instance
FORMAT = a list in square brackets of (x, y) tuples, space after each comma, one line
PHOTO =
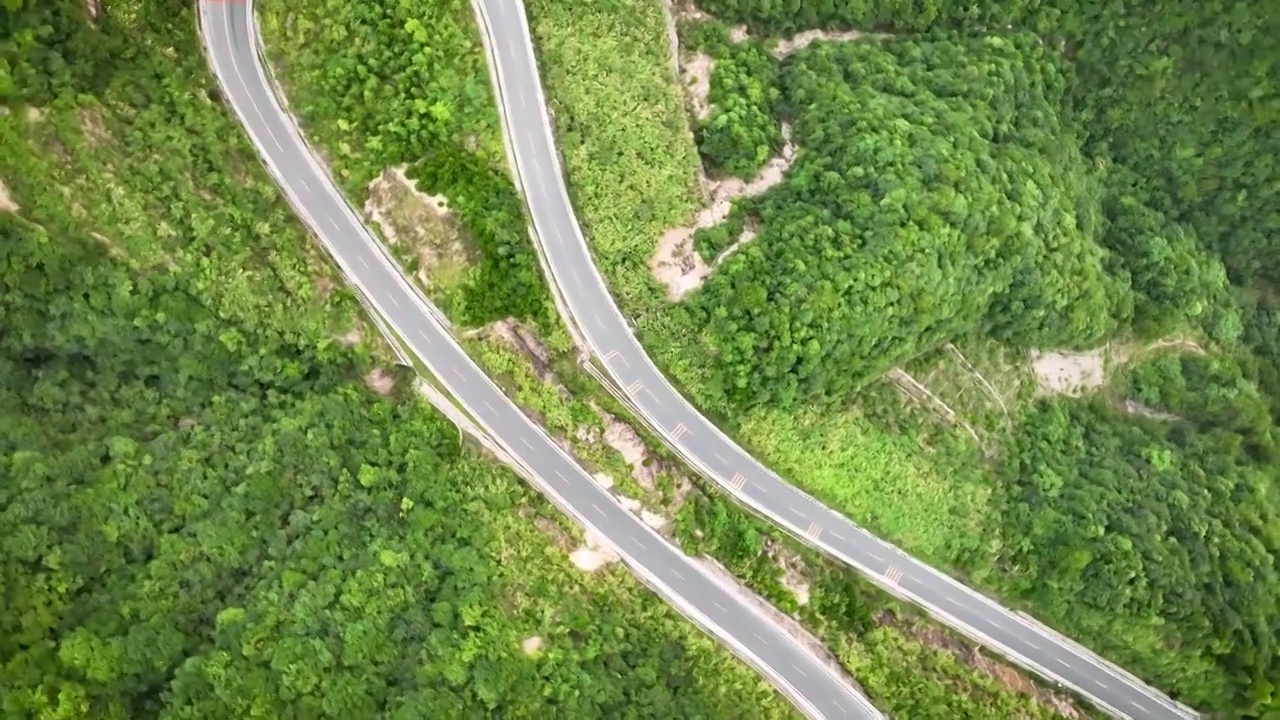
[(676, 264), (7, 203), (423, 224)]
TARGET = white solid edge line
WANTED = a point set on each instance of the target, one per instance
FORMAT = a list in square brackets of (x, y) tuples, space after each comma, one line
[(690, 610), (1071, 646)]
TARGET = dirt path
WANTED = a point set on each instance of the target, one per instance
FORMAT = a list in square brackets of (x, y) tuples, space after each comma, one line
[(676, 264)]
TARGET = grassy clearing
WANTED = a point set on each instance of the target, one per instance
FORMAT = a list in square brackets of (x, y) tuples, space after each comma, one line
[(624, 138), (420, 230), (880, 478)]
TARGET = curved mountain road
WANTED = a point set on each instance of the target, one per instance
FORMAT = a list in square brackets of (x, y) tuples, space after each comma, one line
[(228, 29), (584, 297)]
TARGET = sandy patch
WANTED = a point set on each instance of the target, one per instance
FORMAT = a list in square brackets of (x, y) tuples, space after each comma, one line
[(379, 381), (800, 41), (1133, 407), (424, 224), (7, 203), (593, 555), (91, 124), (653, 519), (531, 645), (352, 337), (627, 443), (695, 76), (676, 264), (1075, 373), (1070, 374), (113, 247)]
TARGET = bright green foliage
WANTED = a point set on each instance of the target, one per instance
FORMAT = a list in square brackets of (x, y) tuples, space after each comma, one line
[(382, 84), (741, 133), (711, 241), (1185, 93), (1158, 535), (205, 514), (936, 193)]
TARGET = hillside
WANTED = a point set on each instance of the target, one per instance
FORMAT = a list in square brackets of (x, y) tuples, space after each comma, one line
[(208, 513), (907, 664), (996, 283)]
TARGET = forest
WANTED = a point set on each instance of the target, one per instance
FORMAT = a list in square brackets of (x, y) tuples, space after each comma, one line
[(207, 514), (941, 677), (172, 371), (1039, 176)]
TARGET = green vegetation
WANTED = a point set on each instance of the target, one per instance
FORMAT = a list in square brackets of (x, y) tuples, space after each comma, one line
[(850, 618), (335, 58), (206, 513), (1087, 175), (916, 214), (941, 676), (741, 134), (1157, 534)]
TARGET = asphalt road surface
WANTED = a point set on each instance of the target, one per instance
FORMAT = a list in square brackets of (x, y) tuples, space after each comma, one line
[(232, 46), (584, 293)]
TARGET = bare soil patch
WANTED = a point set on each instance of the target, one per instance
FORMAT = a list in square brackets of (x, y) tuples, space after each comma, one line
[(676, 264), (594, 554), (379, 381), (800, 41), (7, 203), (93, 127), (423, 225), (695, 78), (1070, 374), (1076, 373)]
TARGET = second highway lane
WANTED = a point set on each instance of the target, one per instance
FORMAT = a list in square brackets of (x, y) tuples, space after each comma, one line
[(599, 322), (231, 43)]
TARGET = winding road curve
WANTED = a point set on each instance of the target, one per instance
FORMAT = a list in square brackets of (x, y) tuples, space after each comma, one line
[(232, 45), (584, 298)]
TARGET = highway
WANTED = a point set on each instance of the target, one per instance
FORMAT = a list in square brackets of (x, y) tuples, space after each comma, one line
[(585, 298), (232, 46)]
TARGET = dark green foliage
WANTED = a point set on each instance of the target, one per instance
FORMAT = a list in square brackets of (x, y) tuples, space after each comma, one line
[(935, 193), (1175, 282), (1185, 93), (394, 84), (508, 281), (1157, 534), (1137, 145), (205, 513)]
